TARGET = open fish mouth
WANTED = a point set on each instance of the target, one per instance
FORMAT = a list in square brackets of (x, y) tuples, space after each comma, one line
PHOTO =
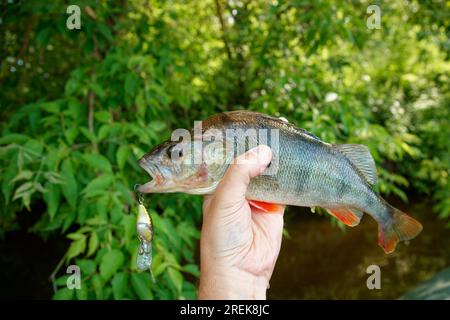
[(169, 179), (159, 182)]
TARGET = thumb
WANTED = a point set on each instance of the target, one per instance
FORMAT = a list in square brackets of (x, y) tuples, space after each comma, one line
[(248, 165)]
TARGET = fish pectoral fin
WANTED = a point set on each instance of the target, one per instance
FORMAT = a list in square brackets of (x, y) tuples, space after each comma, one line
[(349, 216), (265, 207), (361, 158)]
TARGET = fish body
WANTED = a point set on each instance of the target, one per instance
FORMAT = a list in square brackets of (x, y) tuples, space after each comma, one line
[(305, 171)]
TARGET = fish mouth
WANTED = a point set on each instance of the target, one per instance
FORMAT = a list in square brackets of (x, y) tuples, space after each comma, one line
[(159, 175), (167, 180)]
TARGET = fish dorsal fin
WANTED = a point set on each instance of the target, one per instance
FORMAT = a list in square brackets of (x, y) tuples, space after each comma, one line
[(361, 158)]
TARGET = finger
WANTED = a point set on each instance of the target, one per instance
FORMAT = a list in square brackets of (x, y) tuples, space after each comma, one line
[(271, 223), (244, 167), (207, 202)]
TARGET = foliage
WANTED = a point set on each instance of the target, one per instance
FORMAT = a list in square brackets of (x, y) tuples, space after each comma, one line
[(79, 107)]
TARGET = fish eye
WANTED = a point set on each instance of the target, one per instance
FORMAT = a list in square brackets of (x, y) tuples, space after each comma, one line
[(178, 151)]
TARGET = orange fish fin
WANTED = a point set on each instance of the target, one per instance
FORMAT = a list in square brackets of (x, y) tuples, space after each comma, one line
[(265, 207), (401, 228), (349, 217)]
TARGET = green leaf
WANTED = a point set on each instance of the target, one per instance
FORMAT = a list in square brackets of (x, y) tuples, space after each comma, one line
[(101, 183), (93, 244), (64, 294), (53, 177), (124, 191), (82, 293), (70, 189), (98, 161), (122, 156), (189, 291), (97, 89), (52, 197), (25, 191), (23, 175), (176, 277), (7, 187), (111, 262), (87, 267), (74, 108), (129, 224), (105, 31), (51, 107), (104, 132), (62, 281), (119, 285), (131, 84), (14, 138), (192, 269), (24, 187), (157, 126), (141, 284), (141, 105), (103, 204), (71, 134), (43, 36), (76, 248), (88, 134), (75, 236), (97, 284), (116, 213), (103, 116), (72, 86), (98, 220), (159, 268)]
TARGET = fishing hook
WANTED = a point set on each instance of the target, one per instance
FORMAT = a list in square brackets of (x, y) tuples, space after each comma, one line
[(139, 195)]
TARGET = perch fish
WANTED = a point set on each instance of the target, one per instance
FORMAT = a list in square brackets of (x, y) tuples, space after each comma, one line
[(307, 172)]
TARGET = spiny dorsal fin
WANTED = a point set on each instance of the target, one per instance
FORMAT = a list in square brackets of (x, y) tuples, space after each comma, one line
[(360, 156)]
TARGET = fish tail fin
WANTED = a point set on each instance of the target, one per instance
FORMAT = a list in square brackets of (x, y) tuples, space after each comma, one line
[(400, 227)]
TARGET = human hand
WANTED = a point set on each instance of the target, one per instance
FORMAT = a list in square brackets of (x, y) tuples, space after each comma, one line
[(239, 246)]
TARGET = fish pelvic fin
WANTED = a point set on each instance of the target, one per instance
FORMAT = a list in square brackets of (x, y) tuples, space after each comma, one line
[(349, 216), (265, 207), (359, 155), (400, 228)]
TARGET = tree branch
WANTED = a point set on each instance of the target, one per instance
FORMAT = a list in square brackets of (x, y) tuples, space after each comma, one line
[(222, 24)]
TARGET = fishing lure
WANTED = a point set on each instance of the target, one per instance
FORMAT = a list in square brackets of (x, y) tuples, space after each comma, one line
[(144, 229)]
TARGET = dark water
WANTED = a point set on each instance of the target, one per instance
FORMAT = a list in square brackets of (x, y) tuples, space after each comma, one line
[(27, 260), (320, 261)]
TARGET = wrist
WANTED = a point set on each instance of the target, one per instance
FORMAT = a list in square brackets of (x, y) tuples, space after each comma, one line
[(231, 283)]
